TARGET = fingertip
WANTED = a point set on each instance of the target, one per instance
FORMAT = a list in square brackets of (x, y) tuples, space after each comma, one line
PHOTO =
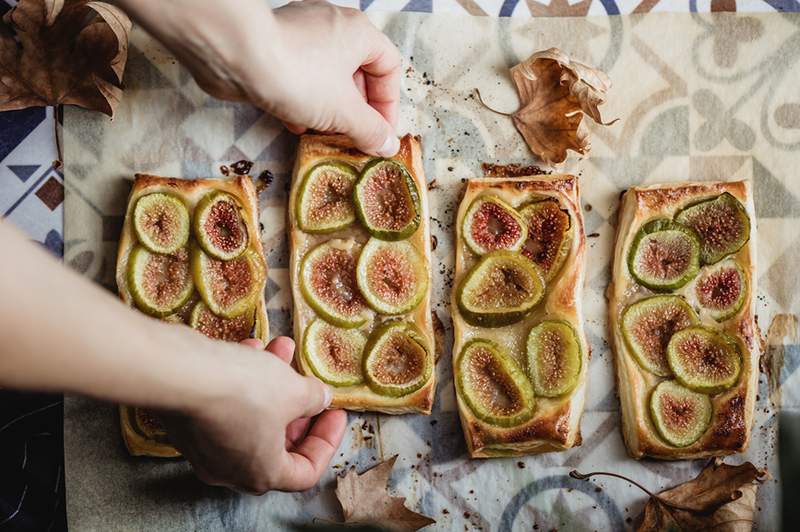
[(253, 342), (390, 146), (282, 347), (295, 128)]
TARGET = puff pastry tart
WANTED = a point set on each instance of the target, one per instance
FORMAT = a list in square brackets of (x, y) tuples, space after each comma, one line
[(360, 271), (681, 316), (520, 355), (190, 253)]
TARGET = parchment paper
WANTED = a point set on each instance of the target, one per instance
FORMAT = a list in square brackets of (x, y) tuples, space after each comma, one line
[(700, 97)]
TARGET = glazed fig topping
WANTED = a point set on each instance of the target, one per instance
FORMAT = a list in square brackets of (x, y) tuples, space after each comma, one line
[(229, 288), (664, 255), (722, 224), (680, 415), (325, 198), (334, 354), (704, 360), (392, 276), (721, 290), (397, 361), (387, 200), (219, 226), (491, 224), (159, 283), (554, 358), (161, 223), (219, 328), (549, 236)]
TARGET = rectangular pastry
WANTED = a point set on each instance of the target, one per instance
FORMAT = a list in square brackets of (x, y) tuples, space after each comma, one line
[(178, 237), (681, 318), (360, 255), (520, 355)]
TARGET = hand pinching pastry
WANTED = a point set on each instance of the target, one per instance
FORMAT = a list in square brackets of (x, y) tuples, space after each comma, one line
[(681, 317), (360, 274), (190, 253), (520, 356)]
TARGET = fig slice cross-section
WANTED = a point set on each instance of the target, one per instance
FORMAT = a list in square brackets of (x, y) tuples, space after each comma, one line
[(554, 358), (219, 226), (664, 255), (325, 198), (333, 353), (161, 222), (647, 326), (159, 283), (493, 385), (397, 360), (704, 360), (549, 235), (722, 224), (387, 200), (491, 224), (328, 283), (229, 287), (680, 415), (219, 328), (391, 276), (721, 289), (500, 289)]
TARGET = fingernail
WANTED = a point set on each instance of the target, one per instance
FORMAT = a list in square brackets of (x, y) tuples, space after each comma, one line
[(328, 396), (390, 146)]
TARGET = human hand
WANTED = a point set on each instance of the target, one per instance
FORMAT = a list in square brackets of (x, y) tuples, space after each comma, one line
[(259, 436), (311, 64)]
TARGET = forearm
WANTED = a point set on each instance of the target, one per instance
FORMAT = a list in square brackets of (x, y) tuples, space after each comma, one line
[(61, 332)]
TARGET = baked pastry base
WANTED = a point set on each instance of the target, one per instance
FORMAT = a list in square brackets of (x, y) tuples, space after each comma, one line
[(732, 420)]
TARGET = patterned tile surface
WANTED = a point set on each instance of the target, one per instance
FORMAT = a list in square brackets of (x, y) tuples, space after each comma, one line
[(31, 194)]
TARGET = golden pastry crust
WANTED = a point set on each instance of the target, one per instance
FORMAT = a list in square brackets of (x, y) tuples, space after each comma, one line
[(732, 419), (190, 191), (556, 422), (311, 150)]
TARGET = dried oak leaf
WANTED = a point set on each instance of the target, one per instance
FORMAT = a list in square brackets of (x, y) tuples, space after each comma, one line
[(364, 499), (63, 52), (721, 498), (555, 93)]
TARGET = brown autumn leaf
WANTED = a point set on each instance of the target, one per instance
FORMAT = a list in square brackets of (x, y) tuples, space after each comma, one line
[(721, 498), (63, 52), (555, 93), (365, 500)]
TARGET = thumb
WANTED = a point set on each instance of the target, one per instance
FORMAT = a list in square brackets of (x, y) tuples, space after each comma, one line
[(368, 129), (314, 397)]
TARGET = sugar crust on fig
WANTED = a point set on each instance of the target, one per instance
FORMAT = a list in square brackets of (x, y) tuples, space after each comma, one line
[(664, 255), (328, 283), (219, 227), (549, 235), (500, 289), (647, 326), (391, 276), (334, 354), (219, 328), (325, 198), (387, 200), (397, 359), (229, 287), (493, 385), (554, 358), (159, 283), (722, 224), (491, 224), (161, 222), (721, 290), (680, 415), (704, 360)]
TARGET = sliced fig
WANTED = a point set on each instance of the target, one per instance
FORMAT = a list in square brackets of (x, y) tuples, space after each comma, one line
[(721, 222), (158, 283), (554, 358), (219, 328), (397, 360), (392, 276), (493, 385), (721, 289), (704, 360), (328, 283), (161, 222), (491, 224), (325, 198), (229, 287), (502, 288), (664, 255), (219, 226), (148, 424), (648, 324), (549, 235), (334, 354), (387, 200), (680, 415), (183, 314)]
